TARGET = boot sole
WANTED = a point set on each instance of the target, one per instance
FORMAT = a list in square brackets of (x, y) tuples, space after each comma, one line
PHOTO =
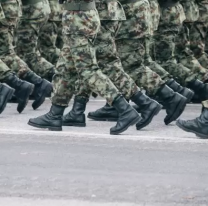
[(40, 101), (154, 113), (180, 108), (133, 122), (203, 136), (28, 93), (45, 127), (74, 124), (7, 98), (102, 119)]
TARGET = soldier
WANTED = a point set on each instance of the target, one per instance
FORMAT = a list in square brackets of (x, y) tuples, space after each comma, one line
[(198, 33), (50, 34), (35, 14), (43, 88), (77, 64), (130, 41), (199, 125), (171, 20), (111, 13), (183, 53)]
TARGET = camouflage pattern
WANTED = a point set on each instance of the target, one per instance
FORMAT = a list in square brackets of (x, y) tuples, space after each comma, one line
[(108, 59), (155, 14), (4, 71), (2, 16), (198, 33), (49, 34), (183, 52), (179, 62), (130, 41), (112, 10), (34, 16), (78, 59), (12, 13), (149, 43)]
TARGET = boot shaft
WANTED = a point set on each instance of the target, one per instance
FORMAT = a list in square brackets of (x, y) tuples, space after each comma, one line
[(79, 105)]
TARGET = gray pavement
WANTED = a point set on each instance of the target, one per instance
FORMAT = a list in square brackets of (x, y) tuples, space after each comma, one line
[(157, 166)]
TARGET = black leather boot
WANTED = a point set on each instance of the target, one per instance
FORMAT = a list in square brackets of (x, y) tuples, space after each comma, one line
[(105, 113), (76, 116), (52, 120), (199, 88), (22, 92), (148, 108), (6, 93), (181, 90), (127, 116), (43, 88), (198, 126), (174, 103)]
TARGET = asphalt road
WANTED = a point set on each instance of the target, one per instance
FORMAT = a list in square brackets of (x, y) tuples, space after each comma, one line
[(157, 166)]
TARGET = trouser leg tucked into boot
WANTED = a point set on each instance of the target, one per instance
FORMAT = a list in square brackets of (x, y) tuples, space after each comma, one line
[(199, 88), (181, 90), (51, 120), (127, 116), (43, 88), (174, 103), (22, 92), (147, 107), (105, 113), (76, 116), (6, 93), (198, 126)]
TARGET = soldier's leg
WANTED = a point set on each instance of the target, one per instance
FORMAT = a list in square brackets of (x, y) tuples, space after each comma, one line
[(49, 33), (47, 42), (110, 64), (79, 38), (198, 31), (131, 48), (34, 16)]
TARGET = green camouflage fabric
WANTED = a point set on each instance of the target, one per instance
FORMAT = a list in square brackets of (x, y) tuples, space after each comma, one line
[(130, 41), (178, 62), (191, 10), (155, 14), (77, 66), (108, 60), (4, 71), (149, 43), (12, 14), (2, 16), (49, 34), (34, 16), (111, 10), (198, 33), (183, 52), (138, 15)]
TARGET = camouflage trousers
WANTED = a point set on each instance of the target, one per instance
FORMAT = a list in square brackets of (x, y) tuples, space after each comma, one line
[(34, 16), (130, 41), (184, 69), (4, 71), (48, 38), (185, 55), (198, 32), (77, 68), (109, 61), (7, 53)]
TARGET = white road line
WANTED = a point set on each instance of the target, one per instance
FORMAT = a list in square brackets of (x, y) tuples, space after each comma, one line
[(70, 134)]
